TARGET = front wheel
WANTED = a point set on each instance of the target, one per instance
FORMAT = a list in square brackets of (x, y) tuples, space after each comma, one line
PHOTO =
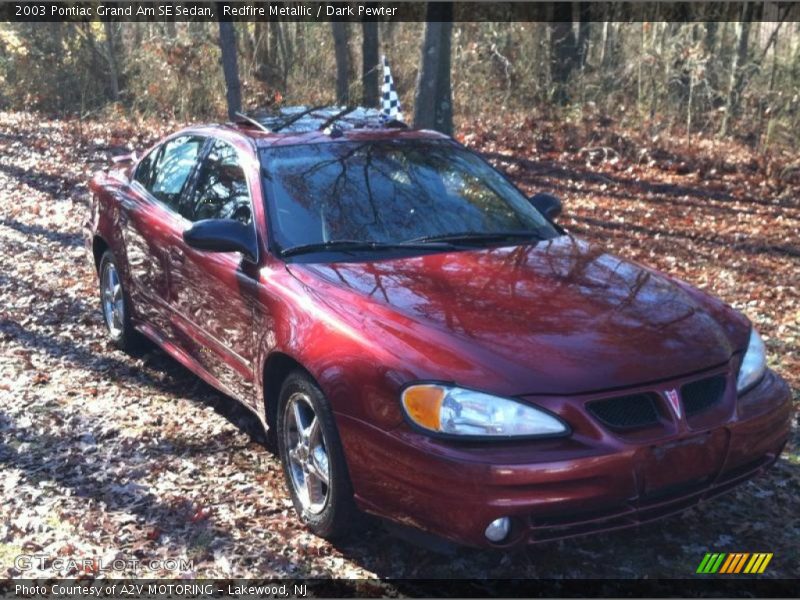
[(312, 458), (115, 304)]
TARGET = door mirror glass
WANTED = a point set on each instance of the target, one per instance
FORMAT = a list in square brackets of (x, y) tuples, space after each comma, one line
[(222, 235), (547, 204)]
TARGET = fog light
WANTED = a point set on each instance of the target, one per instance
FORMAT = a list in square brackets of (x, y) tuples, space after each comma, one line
[(498, 529)]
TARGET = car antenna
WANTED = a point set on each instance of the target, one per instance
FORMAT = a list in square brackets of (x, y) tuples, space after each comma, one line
[(252, 121), (391, 110)]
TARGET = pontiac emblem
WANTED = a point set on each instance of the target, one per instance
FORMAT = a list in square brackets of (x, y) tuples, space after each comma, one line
[(674, 400)]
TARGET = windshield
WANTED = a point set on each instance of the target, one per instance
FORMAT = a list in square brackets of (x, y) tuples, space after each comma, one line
[(391, 192)]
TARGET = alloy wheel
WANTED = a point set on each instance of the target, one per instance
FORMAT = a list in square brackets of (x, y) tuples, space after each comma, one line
[(113, 300), (309, 464)]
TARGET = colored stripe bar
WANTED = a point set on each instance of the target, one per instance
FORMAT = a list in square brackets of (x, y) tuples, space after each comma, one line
[(728, 564), (731, 563), (732, 558), (765, 563), (754, 564), (741, 562), (709, 566), (703, 563), (717, 564)]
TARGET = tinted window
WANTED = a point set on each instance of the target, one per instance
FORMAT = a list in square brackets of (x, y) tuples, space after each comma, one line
[(172, 168), (390, 192), (221, 191)]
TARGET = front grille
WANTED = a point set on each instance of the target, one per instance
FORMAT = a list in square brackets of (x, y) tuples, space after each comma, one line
[(703, 394), (626, 412)]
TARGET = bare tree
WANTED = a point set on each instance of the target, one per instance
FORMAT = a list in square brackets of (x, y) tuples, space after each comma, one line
[(738, 64), (342, 61), (563, 49), (584, 31), (278, 53), (103, 60), (111, 58), (433, 103), (170, 30), (230, 68), (261, 58)]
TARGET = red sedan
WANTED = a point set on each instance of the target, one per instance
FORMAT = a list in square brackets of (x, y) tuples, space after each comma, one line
[(422, 341)]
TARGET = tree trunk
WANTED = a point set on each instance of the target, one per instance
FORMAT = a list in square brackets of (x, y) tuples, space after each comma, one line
[(111, 58), (136, 35), (57, 40), (284, 45), (370, 69), (709, 45), (230, 69), (563, 49), (263, 59), (170, 29), (433, 104), (247, 45), (737, 80), (710, 39), (342, 61), (584, 31), (604, 41), (300, 41), (274, 49), (742, 53)]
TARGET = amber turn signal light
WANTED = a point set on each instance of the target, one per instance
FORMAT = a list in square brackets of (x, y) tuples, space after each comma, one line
[(423, 404)]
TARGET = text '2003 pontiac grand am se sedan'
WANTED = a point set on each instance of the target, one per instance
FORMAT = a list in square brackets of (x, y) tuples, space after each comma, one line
[(421, 340)]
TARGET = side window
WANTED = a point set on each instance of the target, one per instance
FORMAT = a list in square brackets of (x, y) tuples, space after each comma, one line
[(172, 168), (144, 171), (221, 191)]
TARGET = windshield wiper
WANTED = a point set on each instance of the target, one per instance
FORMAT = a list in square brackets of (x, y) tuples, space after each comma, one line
[(361, 245), (468, 237)]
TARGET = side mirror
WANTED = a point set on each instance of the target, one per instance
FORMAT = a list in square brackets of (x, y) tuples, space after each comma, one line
[(222, 235), (547, 204)]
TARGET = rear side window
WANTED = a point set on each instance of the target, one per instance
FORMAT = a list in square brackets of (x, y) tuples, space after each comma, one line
[(166, 177), (221, 191), (144, 172)]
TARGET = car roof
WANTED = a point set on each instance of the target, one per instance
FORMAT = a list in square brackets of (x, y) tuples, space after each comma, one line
[(311, 125)]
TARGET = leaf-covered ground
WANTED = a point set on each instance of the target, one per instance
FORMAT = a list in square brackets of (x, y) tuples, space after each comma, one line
[(103, 455)]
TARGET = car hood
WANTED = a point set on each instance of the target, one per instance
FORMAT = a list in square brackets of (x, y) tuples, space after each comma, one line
[(559, 317)]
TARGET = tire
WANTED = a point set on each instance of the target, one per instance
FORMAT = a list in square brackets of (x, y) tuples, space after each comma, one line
[(327, 509), (115, 306)]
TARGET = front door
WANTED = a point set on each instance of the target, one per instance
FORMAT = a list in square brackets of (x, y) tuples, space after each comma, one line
[(214, 293)]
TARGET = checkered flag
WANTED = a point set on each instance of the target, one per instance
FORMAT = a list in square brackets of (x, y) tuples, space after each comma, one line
[(390, 103)]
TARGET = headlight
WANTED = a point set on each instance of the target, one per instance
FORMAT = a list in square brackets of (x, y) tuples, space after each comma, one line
[(456, 411), (753, 365)]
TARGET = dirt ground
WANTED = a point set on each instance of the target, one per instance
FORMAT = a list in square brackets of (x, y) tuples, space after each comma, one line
[(107, 456)]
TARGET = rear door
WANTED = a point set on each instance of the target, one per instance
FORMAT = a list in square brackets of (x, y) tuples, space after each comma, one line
[(214, 294), (153, 228)]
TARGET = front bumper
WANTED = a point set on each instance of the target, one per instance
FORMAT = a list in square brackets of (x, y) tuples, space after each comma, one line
[(555, 489)]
